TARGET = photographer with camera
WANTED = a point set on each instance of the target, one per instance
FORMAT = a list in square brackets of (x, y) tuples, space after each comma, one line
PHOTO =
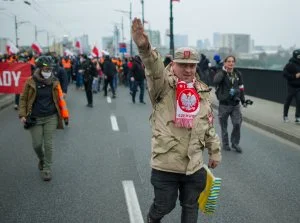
[(42, 110), (230, 93)]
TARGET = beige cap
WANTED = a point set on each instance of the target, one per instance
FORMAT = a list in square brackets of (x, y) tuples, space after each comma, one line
[(186, 55)]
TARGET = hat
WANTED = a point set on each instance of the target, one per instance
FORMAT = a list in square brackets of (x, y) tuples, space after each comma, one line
[(217, 57), (296, 54), (186, 55)]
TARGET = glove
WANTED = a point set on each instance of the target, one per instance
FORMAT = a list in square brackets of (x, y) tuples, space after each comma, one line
[(66, 121)]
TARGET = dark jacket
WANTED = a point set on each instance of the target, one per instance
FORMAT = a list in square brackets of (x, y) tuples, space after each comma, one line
[(137, 70), (289, 72), (61, 75), (224, 82), (89, 70), (204, 63), (109, 68)]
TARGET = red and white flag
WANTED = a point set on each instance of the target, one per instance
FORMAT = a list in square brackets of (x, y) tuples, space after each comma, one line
[(78, 46), (11, 48), (95, 52), (36, 47), (104, 52), (175, 0), (68, 53)]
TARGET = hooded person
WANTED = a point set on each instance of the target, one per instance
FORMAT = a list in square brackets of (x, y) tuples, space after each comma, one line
[(42, 110), (291, 72)]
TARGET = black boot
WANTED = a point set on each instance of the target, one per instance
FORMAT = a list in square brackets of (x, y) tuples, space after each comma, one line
[(237, 148), (150, 220)]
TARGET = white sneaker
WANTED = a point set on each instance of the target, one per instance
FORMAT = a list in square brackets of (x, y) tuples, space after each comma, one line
[(286, 119)]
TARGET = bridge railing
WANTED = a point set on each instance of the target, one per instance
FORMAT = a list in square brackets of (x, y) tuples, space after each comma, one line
[(265, 84)]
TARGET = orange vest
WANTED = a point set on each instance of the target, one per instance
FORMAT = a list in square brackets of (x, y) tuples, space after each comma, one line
[(66, 64), (10, 60), (32, 61), (62, 104)]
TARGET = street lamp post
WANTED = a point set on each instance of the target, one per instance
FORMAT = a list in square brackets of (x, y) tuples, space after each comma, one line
[(16, 29), (171, 29), (36, 31), (143, 15)]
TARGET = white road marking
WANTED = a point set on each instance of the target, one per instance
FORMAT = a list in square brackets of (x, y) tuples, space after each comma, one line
[(108, 99), (134, 210), (114, 123)]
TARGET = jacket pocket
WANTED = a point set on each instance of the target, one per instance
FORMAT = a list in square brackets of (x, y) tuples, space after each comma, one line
[(163, 144)]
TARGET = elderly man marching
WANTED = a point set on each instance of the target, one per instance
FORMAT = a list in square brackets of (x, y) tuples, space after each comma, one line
[(182, 127)]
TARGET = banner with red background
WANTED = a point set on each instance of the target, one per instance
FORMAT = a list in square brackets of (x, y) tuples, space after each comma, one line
[(13, 77)]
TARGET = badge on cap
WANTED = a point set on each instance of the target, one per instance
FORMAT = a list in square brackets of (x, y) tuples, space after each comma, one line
[(186, 54)]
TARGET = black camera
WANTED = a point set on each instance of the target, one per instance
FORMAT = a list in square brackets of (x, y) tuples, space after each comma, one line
[(247, 102), (30, 121)]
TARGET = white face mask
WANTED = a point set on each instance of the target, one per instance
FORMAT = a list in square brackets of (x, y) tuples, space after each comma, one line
[(46, 75)]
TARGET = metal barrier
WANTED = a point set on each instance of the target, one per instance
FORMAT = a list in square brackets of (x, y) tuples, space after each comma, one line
[(265, 84)]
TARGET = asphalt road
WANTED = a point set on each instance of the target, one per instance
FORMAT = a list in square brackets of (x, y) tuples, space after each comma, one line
[(91, 161)]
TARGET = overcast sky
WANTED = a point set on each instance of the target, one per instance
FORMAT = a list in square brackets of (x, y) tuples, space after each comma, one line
[(269, 22)]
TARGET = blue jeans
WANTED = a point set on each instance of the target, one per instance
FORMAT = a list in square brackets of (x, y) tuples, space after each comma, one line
[(166, 186), (141, 85), (79, 80)]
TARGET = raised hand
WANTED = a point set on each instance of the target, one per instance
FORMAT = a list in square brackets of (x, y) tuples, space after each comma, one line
[(138, 34)]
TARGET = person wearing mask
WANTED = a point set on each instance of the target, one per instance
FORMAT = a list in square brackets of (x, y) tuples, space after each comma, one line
[(138, 77), (182, 127), (42, 110), (230, 93), (291, 72), (88, 69), (109, 71)]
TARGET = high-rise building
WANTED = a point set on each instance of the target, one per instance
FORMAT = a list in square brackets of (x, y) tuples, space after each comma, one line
[(3, 42), (207, 44), (203, 44), (107, 43), (154, 37), (84, 40), (179, 40), (238, 43), (200, 44), (216, 40)]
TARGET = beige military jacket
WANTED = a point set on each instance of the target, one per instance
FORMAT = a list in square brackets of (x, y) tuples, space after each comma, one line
[(174, 149)]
